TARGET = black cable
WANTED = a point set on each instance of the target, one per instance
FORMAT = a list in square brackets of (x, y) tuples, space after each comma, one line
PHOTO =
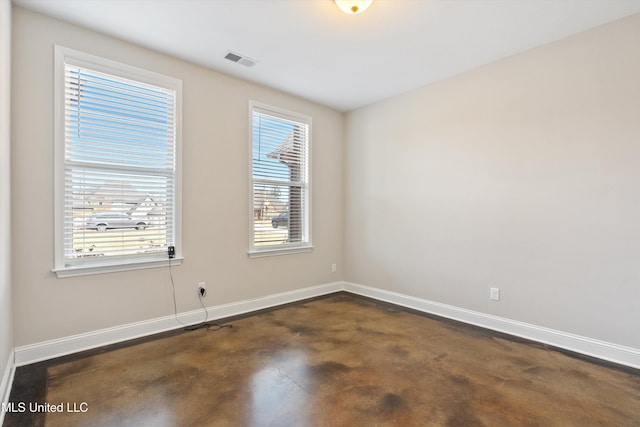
[(205, 323), (206, 317), (173, 289), (207, 326)]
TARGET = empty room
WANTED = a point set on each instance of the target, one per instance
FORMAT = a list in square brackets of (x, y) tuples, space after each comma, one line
[(320, 212)]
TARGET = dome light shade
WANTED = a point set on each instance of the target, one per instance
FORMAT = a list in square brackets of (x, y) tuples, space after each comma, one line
[(353, 7)]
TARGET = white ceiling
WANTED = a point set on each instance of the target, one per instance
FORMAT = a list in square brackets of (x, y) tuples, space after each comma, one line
[(311, 49)]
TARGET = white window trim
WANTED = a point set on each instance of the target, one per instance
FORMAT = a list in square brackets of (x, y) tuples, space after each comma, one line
[(64, 55), (258, 252)]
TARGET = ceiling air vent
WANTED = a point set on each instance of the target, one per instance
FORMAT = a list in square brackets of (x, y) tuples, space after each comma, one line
[(240, 59)]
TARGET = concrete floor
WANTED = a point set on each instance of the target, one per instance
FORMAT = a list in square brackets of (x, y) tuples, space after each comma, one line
[(335, 361)]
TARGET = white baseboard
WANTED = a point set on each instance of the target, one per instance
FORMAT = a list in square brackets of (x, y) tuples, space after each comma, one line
[(591, 347), (63, 346), (5, 385), (622, 355)]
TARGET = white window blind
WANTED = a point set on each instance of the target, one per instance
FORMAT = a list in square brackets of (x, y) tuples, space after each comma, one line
[(119, 186), (280, 180)]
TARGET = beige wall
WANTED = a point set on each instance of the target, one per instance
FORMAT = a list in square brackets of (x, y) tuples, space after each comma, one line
[(523, 175), (6, 330), (215, 195)]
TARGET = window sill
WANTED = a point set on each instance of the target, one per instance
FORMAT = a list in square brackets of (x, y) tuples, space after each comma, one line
[(255, 253), (88, 269)]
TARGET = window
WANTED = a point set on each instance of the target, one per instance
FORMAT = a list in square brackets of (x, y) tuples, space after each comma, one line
[(117, 165), (280, 220)]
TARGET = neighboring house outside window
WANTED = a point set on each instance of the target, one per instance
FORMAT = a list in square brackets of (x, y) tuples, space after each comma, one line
[(117, 167), (280, 184)]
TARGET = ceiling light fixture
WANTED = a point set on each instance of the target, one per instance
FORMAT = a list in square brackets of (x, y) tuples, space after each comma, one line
[(353, 7)]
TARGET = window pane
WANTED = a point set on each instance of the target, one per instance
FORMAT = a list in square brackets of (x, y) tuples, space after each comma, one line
[(270, 219), (110, 213), (113, 121)]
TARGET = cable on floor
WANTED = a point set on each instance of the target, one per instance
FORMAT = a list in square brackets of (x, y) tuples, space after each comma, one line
[(205, 323)]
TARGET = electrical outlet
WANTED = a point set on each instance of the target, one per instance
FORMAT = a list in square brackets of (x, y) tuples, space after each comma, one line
[(202, 289), (334, 268), (495, 294)]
